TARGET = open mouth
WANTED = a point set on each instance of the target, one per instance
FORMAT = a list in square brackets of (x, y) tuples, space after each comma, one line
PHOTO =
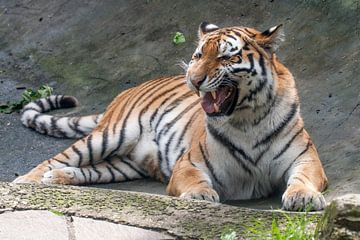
[(221, 101)]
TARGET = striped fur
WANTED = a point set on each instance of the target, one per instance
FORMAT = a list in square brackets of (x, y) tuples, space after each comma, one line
[(242, 138)]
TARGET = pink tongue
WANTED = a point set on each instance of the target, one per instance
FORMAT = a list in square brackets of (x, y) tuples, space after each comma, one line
[(208, 103)]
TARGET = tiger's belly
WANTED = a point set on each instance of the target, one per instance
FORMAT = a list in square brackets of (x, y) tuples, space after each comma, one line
[(162, 144)]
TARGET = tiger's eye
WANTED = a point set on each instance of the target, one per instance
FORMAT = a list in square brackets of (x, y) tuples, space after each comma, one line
[(224, 58), (197, 55)]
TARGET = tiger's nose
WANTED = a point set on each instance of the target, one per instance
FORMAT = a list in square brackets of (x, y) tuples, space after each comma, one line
[(198, 81)]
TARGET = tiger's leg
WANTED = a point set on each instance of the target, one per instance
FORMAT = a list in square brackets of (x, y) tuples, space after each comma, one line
[(90, 150), (189, 181), (113, 169), (305, 181)]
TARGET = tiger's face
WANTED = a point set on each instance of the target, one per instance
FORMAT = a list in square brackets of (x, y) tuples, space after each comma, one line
[(228, 64)]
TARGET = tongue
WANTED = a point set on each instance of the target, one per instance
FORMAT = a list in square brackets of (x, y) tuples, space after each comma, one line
[(207, 103)]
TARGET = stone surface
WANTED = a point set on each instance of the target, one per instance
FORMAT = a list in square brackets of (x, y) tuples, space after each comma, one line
[(85, 228), (95, 49), (47, 225), (183, 219), (341, 219), (30, 225)]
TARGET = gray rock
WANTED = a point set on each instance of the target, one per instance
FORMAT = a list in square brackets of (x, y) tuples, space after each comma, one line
[(342, 218), (86, 228)]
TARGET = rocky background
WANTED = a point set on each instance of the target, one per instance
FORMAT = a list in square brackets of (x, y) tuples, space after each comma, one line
[(95, 49)]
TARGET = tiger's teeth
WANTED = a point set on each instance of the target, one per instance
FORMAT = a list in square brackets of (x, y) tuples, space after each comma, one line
[(216, 107), (213, 93)]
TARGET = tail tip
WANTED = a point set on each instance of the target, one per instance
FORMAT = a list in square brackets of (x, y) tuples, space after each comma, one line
[(69, 102)]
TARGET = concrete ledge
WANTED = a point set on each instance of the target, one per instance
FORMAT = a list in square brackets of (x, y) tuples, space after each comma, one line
[(184, 219)]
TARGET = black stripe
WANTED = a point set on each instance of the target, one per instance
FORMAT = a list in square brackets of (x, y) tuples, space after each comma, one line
[(169, 125), (254, 92), (299, 179), (231, 36), (300, 154), (262, 65), (231, 148), (90, 149), (132, 107), (209, 166), (90, 175), (77, 151), (186, 128), (75, 127), (83, 173), (181, 153), (287, 145), (189, 159), (167, 149), (62, 162), (258, 120), (183, 96), (43, 128), (50, 103), (97, 171), (111, 173), (65, 155), (154, 98), (104, 141), (41, 105), (126, 177), (164, 113), (134, 169), (56, 101), (280, 127)]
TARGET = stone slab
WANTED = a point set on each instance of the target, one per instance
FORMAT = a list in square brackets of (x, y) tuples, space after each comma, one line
[(181, 218), (85, 228), (32, 225)]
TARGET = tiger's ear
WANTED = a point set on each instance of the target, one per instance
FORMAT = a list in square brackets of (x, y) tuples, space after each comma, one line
[(205, 28), (271, 38)]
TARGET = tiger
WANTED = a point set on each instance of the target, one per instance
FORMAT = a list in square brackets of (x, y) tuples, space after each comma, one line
[(228, 129)]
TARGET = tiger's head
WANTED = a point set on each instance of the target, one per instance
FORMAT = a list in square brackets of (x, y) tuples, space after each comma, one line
[(230, 66)]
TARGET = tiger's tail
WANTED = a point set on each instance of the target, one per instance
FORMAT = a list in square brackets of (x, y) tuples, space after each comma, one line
[(33, 116)]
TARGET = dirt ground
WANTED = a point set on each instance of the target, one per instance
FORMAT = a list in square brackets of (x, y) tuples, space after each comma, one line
[(95, 49)]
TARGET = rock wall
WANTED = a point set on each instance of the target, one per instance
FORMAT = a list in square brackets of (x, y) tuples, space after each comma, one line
[(95, 49)]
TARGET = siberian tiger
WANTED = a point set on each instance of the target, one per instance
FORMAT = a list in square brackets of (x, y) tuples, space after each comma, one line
[(229, 129)]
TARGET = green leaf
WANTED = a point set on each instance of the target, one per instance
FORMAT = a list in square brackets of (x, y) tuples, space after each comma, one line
[(179, 38), (28, 95), (57, 213)]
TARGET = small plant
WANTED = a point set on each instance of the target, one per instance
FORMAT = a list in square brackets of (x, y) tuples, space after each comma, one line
[(296, 227), (28, 95), (228, 236), (57, 213), (179, 38)]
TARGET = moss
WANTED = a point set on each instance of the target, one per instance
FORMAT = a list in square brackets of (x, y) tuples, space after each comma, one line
[(188, 219)]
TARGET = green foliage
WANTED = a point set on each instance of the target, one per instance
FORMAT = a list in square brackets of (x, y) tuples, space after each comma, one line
[(28, 95), (179, 38), (228, 236), (297, 227), (55, 212)]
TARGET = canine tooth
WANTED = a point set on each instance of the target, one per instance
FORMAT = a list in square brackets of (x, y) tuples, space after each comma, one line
[(213, 93), (216, 107)]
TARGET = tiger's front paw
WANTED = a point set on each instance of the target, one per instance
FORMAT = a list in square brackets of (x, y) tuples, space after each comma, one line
[(63, 176), (207, 194), (301, 198), (28, 178)]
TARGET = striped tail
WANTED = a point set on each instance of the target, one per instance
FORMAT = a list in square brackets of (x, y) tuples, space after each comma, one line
[(63, 127)]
